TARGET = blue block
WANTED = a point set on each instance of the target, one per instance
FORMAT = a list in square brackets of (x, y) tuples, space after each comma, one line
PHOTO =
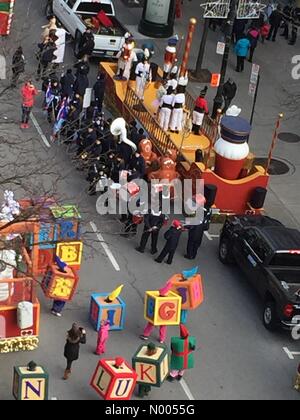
[(47, 236), (100, 310)]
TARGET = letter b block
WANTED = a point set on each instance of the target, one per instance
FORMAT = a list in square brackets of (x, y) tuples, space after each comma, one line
[(114, 383), (29, 385), (114, 312), (151, 370), (190, 290), (162, 310)]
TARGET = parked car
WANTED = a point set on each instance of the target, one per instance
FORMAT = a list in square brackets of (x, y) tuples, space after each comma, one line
[(269, 255)]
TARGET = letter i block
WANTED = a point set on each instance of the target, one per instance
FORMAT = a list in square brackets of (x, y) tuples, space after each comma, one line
[(70, 253), (58, 285), (190, 290), (151, 370), (29, 385), (113, 383), (67, 220), (162, 310), (114, 312)]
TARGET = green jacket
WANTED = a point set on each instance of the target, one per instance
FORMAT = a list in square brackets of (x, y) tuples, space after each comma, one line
[(182, 353)]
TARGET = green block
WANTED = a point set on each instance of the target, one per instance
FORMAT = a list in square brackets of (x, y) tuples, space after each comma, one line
[(65, 212), (30, 386), (151, 370)]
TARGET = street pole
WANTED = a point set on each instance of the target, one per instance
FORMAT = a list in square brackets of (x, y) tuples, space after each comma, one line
[(218, 101), (254, 100)]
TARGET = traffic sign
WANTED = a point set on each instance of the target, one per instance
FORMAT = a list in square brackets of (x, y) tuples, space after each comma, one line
[(215, 80), (221, 48)]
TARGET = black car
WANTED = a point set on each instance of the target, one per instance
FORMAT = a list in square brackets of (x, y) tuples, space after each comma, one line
[(269, 255)]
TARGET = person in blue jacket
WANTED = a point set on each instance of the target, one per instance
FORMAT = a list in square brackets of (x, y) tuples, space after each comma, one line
[(241, 49)]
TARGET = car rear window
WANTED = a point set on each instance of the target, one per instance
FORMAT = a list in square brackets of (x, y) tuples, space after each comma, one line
[(94, 8), (286, 260)]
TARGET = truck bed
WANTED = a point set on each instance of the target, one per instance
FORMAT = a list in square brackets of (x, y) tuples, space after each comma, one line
[(117, 29)]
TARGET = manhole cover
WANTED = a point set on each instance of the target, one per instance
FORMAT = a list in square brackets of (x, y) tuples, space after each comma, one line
[(277, 167), (289, 137)]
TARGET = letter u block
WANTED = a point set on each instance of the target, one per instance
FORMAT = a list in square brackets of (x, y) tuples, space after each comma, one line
[(114, 312), (162, 310), (113, 383), (190, 290), (58, 285), (151, 370), (30, 385)]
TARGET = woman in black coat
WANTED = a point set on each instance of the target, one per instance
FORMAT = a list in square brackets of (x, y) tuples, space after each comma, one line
[(75, 336)]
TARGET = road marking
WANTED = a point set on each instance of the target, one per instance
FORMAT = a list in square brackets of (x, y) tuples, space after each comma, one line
[(186, 389), (214, 236), (105, 247), (291, 354), (209, 237), (39, 130)]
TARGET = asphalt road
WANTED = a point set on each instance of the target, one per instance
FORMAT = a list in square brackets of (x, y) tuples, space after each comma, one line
[(236, 358)]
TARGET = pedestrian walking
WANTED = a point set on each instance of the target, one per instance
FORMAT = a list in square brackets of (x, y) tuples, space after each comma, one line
[(178, 104), (264, 31), (182, 356), (87, 44), (52, 100), (28, 93), (81, 84), (166, 106), (195, 235), (18, 66), (82, 66), (137, 167), (99, 90), (103, 336), (241, 49), (253, 36), (172, 237), (201, 108), (228, 93), (275, 22), (153, 222), (143, 76), (75, 336), (45, 57)]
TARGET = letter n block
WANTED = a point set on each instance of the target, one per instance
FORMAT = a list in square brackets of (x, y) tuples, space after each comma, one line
[(162, 310), (29, 385), (151, 370), (113, 383), (58, 285), (114, 312), (190, 290)]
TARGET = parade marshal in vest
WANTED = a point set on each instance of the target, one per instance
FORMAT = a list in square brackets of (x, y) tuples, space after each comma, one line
[(182, 357)]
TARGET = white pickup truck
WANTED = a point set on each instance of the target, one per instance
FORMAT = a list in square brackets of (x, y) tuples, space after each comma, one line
[(74, 14)]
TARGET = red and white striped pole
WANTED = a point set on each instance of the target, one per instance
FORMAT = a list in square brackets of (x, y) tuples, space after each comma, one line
[(188, 46), (275, 137)]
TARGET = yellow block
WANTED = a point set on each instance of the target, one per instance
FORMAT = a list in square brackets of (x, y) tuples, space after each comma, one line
[(70, 252), (162, 310)]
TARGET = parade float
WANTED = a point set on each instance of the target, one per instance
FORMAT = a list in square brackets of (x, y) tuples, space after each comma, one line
[(220, 155), (36, 235), (6, 14)]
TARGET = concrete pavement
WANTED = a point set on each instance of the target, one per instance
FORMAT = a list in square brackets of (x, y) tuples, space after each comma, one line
[(236, 357)]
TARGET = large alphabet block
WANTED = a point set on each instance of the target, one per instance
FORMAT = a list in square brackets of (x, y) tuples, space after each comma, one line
[(70, 253), (114, 383), (151, 369), (162, 310), (47, 236), (46, 258), (67, 220), (58, 285), (190, 290), (114, 312), (30, 385)]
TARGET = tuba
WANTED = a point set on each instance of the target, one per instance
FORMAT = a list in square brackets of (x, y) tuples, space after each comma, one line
[(118, 129)]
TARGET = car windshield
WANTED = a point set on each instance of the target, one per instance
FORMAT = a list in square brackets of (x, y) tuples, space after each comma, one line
[(94, 8), (289, 277), (286, 259)]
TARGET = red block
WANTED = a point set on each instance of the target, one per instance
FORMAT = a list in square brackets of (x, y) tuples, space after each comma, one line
[(114, 383), (46, 258)]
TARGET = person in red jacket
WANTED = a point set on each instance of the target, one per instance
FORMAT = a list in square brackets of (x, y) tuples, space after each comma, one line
[(28, 93), (201, 108)]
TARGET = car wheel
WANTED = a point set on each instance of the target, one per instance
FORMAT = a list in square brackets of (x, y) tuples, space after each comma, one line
[(225, 255), (270, 319)]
